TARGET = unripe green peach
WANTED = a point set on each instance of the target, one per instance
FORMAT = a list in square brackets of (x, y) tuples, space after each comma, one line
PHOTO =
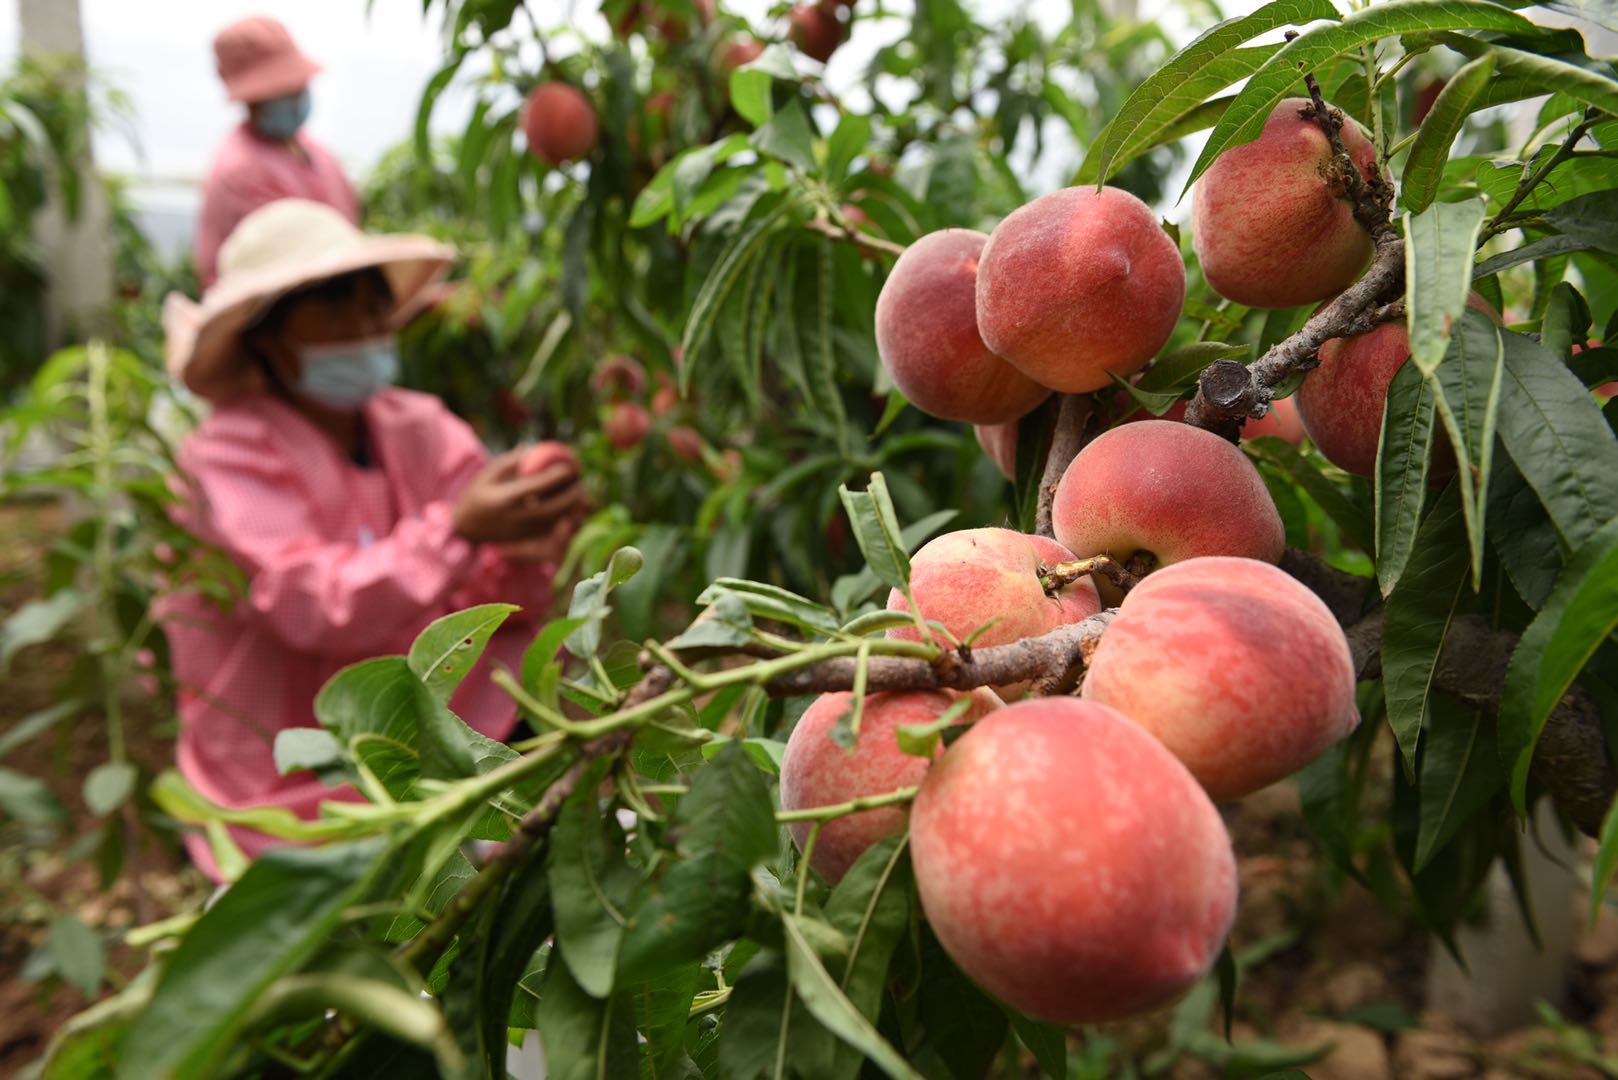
[(816, 771), (1070, 864), (1079, 285), (1167, 491), (927, 335), (1271, 226), (1234, 665)]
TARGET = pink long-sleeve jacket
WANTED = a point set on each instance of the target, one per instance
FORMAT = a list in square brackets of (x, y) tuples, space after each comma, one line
[(343, 563), (249, 171)]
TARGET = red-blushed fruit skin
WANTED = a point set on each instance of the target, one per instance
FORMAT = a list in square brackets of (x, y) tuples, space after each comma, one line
[(627, 424), (815, 771), (1282, 421), (739, 53), (999, 441), (1268, 228), (685, 442), (927, 335), (1077, 284), (560, 123), (1341, 401), (1167, 488), (968, 578), (543, 455), (815, 31), (1233, 665), (1070, 865), (667, 397)]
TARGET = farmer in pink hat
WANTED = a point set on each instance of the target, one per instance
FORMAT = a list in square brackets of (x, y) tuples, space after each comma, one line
[(358, 512), (268, 156)]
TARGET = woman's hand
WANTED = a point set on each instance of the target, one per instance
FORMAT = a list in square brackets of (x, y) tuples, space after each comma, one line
[(500, 505)]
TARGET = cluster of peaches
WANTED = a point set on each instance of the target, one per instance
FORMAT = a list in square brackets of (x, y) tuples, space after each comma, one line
[(1067, 849)]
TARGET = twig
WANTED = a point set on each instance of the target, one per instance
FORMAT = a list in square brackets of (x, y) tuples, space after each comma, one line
[(1053, 659), (1076, 424), (855, 236), (1498, 224), (1055, 578)]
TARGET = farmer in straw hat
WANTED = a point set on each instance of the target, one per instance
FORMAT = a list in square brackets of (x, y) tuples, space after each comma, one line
[(358, 511), (268, 156)]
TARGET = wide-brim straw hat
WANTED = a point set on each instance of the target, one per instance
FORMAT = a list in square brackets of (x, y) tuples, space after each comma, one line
[(276, 250), (258, 60)]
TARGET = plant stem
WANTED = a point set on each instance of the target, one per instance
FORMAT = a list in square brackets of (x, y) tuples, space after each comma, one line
[(1497, 224), (843, 809)]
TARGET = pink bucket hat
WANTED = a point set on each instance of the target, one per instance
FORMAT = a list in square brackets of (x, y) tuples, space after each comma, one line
[(258, 61), (277, 249)]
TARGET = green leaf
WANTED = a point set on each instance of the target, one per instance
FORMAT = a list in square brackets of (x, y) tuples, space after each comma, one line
[(724, 825), (1419, 612), (1047, 1042), (1177, 370), (767, 754), (1545, 248), (725, 622), (1207, 65), (767, 601), (108, 786), (962, 1023), (727, 270), (1280, 76), (1591, 219), (1559, 441), (590, 600), (448, 648), (77, 954), (311, 748), (826, 1001), (922, 739), (1547, 73), (1458, 772), (750, 84), (1579, 614), (846, 143), (28, 798), (591, 887), (1356, 524), (282, 910), (1462, 95), (37, 621), (876, 530), (584, 1038), (37, 723), (1606, 861), (1523, 536), (1439, 243), (850, 591), (787, 137), (1467, 396), (1404, 456)]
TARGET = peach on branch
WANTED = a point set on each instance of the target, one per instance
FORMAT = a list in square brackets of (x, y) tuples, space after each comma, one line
[(1281, 420), (815, 30), (738, 53), (626, 425), (560, 123), (1078, 285), (1271, 224), (1341, 402), (1234, 665), (999, 441), (1070, 864), (927, 335), (816, 771), (1164, 492), (685, 442)]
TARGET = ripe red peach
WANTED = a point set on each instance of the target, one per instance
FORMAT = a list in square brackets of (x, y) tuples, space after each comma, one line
[(737, 53), (1341, 401), (618, 375), (627, 424), (927, 335), (560, 123), (1168, 491), (667, 396), (815, 771), (1234, 665), (543, 455), (815, 31), (999, 441), (1070, 864), (685, 442), (1269, 226), (967, 578), (1078, 284)]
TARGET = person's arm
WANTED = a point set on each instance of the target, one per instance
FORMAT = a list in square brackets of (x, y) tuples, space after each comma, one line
[(336, 598)]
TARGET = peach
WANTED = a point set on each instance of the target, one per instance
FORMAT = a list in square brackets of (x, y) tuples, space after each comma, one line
[(618, 375), (1070, 864), (1341, 401), (999, 441), (1281, 421), (667, 397), (815, 771), (685, 442), (927, 335), (815, 31), (1166, 491), (739, 52), (1078, 284), (968, 578), (1234, 665), (560, 123), (543, 455), (1269, 226), (627, 424)]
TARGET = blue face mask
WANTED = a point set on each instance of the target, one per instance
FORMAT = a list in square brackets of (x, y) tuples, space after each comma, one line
[(346, 374), (280, 118)]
